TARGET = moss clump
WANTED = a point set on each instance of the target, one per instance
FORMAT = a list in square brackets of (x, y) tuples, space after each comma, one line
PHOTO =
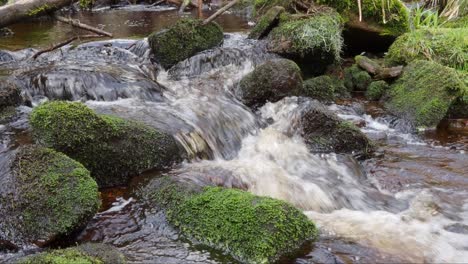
[(459, 108), (54, 194), (266, 23), (424, 93), (113, 149), (42, 9), (183, 40), (356, 79), (376, 90), (390, 17), (461, 22), (250, 228), (321, 88), (262, 6), (83, 254), (271, 81), (317, 37), (446, 46)]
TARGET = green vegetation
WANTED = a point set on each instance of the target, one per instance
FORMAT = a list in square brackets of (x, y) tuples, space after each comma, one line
[(262, 6), (250, 228), (42, 9), (386, 16), (322, 88), (56, 194), (83, 254), (461, 22), (315, 37), (356, 79), (424, 18), (183, 40), (376, 90), (266, 23), (447, 46), (110, 147), (271, 81), (424, 93)]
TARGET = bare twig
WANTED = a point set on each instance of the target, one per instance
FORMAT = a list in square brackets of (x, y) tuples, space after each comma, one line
[(220, 11), (78, 24), (63, 43)]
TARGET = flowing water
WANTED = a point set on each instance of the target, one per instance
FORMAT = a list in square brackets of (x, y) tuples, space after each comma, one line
[(407, 204)]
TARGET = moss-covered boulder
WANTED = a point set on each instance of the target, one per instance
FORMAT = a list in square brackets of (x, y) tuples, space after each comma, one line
[(324, 132), (389, 17), (82, 254), (356, 79), (323, 88), (113, 149), (250, 228), (183, 40), (315, 39), (46, 196), (271, 81), (446, 46), (376, 90), (266, 23), (424, 93)]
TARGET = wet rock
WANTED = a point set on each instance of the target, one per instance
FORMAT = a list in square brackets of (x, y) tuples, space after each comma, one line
[(323, 131), (446, 46), (86, 253), (113, 149), (376, 90), (315, 40), (424, 93), (325, 88), (266, 23), (356, 79), (271, 81), (250, 228), (44, 196), (183, 40), (385, 17), (9, 94)]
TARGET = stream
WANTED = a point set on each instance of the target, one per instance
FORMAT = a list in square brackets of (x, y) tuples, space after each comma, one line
[(409, 203)]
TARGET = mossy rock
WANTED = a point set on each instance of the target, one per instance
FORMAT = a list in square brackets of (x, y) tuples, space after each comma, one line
[(324, 132), (389, 17), (263, 6), (9, 94), (50, 196), (83, 254), (266, 23), (459, 108), (271, 81), (184, 39), (356, 79), (376, 90), (321, 88), (424, 93), (250, 228), (446, 46), (113, 149), (317, 38)]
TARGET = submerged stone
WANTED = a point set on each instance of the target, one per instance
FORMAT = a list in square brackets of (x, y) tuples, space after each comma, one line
[(250, 228), (316, 39), (46, 196), (271, 81), (183, 40), (324, 132), (446, 46), (113, 149), (83, 254), (424, 93), (389, 17), (266, 23)]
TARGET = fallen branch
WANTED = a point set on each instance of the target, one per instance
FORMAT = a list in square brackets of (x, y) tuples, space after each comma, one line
[(220, 11), (77, 24), (63, 43)]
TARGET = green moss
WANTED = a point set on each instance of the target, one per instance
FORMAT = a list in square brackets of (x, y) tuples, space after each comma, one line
[(356, 79), (388, 17), (56, 193), (250, 228), (321, 88), (376, 90), (461, 22), (424, 93), (266, 23), (446, 46), (183, 40), (271, 81), (459, 108), (42, 9), (262, 6), (315, 37), (83, 254), (110, 147)]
